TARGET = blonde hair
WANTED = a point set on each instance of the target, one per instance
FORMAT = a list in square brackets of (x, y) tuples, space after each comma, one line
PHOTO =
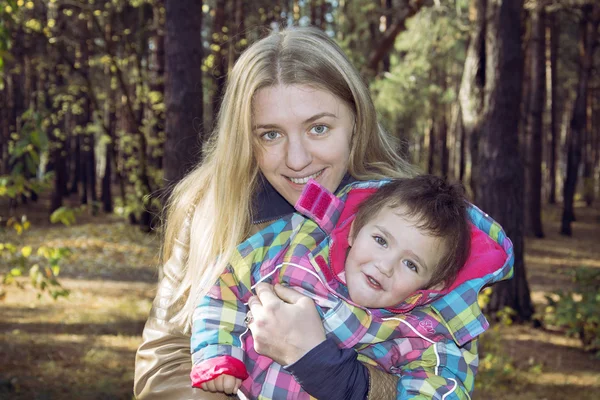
[(217, 194)]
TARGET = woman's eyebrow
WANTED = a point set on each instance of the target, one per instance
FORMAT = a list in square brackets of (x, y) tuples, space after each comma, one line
[(307, 121), (320, 115), (266, 126)]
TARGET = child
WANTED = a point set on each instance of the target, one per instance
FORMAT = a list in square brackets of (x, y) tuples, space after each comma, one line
[(402, 249)]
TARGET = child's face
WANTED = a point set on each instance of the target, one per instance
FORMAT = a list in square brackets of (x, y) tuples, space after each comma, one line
[(389, 259)]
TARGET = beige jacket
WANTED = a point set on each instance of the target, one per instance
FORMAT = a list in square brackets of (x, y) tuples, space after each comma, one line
[(163, 362)]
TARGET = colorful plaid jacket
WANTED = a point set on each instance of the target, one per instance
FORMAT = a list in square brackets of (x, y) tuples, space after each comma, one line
[(428, 340)]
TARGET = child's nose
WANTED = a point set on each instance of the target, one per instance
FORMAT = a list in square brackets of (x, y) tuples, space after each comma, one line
[(385, 266)]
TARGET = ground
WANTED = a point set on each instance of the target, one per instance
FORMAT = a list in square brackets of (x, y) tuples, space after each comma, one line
[(83, 346)]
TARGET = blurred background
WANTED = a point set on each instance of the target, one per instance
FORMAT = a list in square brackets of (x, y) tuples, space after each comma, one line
[(106, 103)]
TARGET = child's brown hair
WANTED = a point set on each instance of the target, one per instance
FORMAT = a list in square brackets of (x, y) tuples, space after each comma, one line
[(441, 209)]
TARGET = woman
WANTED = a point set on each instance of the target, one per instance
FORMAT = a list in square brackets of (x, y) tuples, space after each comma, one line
[(266, 145)]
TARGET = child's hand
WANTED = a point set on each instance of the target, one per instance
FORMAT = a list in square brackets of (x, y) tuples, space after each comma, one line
[(223, 383)]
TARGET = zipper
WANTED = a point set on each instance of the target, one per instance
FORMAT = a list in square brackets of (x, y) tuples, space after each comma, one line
[(269, 219)]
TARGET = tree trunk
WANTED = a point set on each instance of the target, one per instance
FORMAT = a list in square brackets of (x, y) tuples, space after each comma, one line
[(442, 126), (472, 85), (588, 169), (389, 18), (220, 60), (157, 80), (75, 166), (110, 121), (183, 88), (237, 43), (501, 178), (589, 29), (58, 154), (537, 89), (553, 29), (431, 148), (5, 113)]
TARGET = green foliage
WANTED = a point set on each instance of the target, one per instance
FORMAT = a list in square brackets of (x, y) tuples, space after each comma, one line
[(64, 215), (28, 151), (578, 310), (29, 143), (425, 70), (43, 265)]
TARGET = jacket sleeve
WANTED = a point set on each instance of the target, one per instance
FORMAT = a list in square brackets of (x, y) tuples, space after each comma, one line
[(162, 363), (443, 371), (218, 327)]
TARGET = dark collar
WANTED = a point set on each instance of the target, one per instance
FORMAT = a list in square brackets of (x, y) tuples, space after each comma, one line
[(270, 205)]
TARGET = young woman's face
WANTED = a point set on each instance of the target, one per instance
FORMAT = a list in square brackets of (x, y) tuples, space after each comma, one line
[(303, 133)]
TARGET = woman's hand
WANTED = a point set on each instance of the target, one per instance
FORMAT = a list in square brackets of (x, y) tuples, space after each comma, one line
[(285, 325)]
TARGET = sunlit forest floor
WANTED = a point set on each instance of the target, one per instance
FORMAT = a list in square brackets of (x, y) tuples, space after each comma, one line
[(83, 346)]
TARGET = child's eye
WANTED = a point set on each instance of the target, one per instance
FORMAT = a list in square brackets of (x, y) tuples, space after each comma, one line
[(380, 241), (411, 265), (319, 130), (270, 136)]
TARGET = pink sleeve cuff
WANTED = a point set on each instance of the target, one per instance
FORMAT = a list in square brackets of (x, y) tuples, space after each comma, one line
[(211, 369)]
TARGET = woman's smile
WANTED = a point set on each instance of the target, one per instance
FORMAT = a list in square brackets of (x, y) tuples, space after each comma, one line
[(304, 180)]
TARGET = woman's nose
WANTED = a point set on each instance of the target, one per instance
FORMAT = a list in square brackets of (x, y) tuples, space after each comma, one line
[(298, 155)]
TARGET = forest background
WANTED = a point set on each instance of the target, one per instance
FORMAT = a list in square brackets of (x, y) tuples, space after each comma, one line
[(104, 105)]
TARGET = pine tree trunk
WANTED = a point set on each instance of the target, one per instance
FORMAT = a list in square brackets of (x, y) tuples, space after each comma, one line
[(75, 167), (589, 30), (183, 88), (553, 28), (472, 85), (500, 175), (220, 60), (431, 150), (533, 216), (587, 176)]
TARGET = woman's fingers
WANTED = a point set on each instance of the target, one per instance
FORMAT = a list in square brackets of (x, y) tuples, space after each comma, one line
[(254, 303), (288, 295), (267, 296)]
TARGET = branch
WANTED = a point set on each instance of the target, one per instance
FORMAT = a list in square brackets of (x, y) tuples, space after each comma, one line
[(389, 36)]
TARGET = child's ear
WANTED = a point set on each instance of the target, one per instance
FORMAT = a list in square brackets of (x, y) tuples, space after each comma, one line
[(438, 286), (351, 234)]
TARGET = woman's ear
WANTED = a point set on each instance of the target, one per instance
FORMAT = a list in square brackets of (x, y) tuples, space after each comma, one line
[(351, 234)]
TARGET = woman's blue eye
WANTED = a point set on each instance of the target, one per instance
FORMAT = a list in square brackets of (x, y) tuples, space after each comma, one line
[(411, 265), (380, 241), (271, 135), (319, 129)]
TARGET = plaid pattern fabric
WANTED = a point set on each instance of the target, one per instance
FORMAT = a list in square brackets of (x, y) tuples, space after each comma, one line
[(432, 348)]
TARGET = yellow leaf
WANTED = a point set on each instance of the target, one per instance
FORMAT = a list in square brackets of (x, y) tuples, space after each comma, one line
[(26, 251)]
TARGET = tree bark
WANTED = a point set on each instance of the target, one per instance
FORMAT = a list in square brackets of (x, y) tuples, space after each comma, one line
[(589, 31), (183, 88), (431, 151), (553, 29), (472, 86), (220, 60), (588, 168), (533, 217), (501, 178)]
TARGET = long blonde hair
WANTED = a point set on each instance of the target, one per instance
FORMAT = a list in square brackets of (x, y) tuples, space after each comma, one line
[(217, 194)]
